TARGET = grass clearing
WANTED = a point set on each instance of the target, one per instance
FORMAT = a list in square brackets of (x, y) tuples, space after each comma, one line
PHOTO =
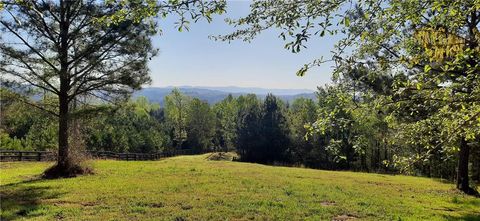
[(193, 188)]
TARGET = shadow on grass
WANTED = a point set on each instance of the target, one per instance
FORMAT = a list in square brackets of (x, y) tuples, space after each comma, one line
[(468, 217), (24, 199)]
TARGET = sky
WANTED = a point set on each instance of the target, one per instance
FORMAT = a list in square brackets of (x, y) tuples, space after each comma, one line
[(191, 58)]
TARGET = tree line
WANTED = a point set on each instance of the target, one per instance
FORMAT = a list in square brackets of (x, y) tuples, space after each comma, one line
[(336, 131)]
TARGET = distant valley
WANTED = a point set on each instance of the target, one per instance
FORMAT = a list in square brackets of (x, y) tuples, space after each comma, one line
[(213, 95)]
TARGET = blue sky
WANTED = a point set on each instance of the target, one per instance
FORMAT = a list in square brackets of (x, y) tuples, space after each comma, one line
[(191, 58)]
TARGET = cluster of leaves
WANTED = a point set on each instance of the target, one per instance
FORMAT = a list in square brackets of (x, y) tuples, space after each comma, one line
[(186, 11)]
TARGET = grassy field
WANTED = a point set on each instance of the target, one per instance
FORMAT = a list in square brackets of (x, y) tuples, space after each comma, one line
[(193, 188)]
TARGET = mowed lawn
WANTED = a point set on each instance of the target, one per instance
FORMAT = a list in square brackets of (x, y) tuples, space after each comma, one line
[(193, 188)]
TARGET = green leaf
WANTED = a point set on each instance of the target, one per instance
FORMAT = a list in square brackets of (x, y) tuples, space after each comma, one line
[(347, 21), (427, 68), (302, 71)]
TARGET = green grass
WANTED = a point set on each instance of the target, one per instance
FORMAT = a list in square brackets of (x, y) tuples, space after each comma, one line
[(193, 188)]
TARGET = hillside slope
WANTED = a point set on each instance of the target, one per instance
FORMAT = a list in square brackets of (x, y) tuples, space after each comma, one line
[(193, 188)]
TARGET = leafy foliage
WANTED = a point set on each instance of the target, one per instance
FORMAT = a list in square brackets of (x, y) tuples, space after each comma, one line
[(419, 60), (201, 125), (176, 112)]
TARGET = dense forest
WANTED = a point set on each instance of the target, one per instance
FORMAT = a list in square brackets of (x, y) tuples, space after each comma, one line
[(354, 133)]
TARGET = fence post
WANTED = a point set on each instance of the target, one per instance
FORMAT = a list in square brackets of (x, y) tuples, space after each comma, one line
[(19, 156), (39, 156)]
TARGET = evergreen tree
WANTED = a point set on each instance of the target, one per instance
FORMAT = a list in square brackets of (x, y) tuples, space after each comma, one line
[(74, 49), (63, 49), (249, 131), (275, 131)]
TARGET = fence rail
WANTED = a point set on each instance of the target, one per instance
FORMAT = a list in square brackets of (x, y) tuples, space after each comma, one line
[(14, 155)]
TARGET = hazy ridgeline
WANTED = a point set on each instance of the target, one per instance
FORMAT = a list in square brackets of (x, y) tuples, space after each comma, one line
[(325, 132)]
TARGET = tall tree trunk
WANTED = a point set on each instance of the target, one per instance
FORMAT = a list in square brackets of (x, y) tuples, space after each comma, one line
[(462, 170), (372, 159), (364, 162), (475, 159), (63, 147), (385, 157), (63, 160)]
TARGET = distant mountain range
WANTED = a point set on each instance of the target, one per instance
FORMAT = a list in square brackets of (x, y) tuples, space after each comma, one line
[(213, 95)]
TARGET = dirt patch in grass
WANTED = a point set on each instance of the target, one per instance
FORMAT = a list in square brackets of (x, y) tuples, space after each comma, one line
[(152, 205), (344, 217), (328, 203), (88, 204), (156, 205), (185, 206), (180, 218), (222, 156), (64, 202), (444, 209)]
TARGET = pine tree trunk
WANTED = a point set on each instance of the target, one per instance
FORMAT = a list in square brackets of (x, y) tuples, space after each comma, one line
[(462, 170), (475, 159), (63, 158), (63, 147), (364, 163), (65, 166)]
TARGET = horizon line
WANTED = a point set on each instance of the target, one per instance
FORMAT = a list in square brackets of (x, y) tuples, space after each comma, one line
[(228, 86)]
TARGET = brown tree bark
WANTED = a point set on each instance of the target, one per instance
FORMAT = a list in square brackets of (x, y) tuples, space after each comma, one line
[(475, 158), (63, 146), (462, 170), (65, 166)]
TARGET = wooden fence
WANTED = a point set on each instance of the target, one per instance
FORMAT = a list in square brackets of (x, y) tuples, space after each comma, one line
[(14, 155)]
